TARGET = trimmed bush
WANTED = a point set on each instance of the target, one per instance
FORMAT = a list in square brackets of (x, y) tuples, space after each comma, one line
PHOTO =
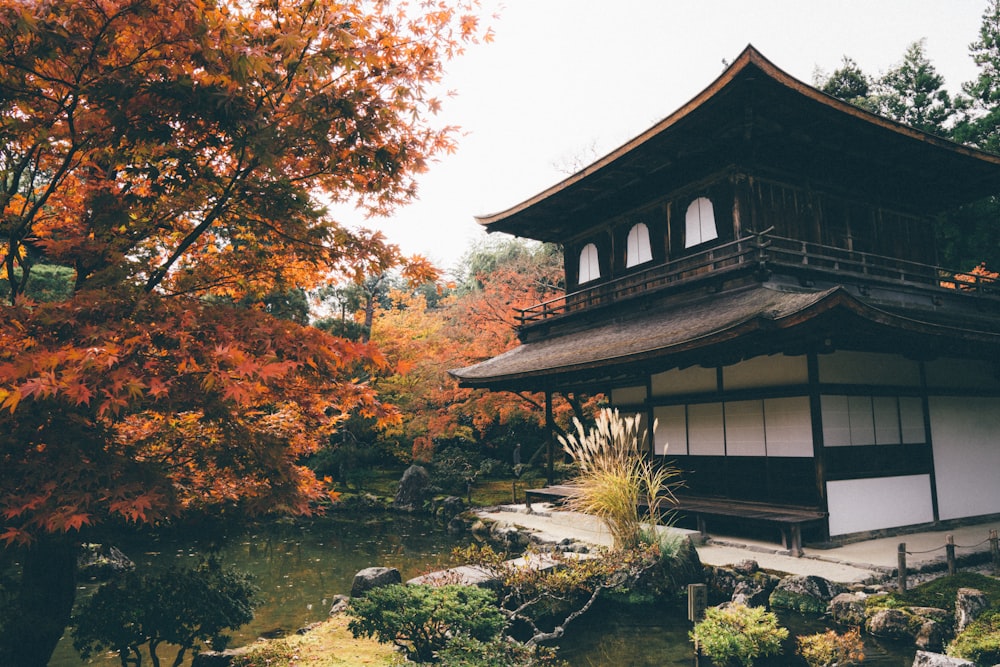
[(421, 619), (737, 633), (829, 649)]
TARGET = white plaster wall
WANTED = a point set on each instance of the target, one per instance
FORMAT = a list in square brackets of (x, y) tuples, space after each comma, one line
[(689, 380), (858, 505), (966, 435), (772, 371), (844, 367), (967, 373), (628, 396)]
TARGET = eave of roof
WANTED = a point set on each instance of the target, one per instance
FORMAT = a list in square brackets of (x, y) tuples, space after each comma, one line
[(646, 337), (526, 218)]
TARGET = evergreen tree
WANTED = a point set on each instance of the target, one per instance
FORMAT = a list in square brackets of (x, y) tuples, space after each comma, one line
[(913, 93)]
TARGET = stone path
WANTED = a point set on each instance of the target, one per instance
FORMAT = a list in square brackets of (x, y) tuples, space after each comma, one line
[(851, 563)]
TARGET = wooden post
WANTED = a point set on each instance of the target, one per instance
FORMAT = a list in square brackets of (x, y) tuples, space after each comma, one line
[(549, 428), (513, 492), (697, 601), (995, 551), (901, 567), (949, 549)]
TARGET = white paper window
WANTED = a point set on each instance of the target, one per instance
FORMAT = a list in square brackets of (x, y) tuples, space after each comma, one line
[(670, 436), (699, 223), (745, 428), (637, 247), (590, 267), (706, 433)]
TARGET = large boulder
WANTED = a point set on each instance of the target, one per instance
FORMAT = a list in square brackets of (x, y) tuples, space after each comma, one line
[(414, 489), (926, 659), (374, 577), (805, 594), (969, 604)]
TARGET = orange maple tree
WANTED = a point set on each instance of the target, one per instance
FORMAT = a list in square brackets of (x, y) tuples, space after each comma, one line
[(171, 154), (475, 322)]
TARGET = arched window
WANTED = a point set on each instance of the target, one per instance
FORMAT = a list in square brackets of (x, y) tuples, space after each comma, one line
[(590, 267), (700, 223), (637, 248)]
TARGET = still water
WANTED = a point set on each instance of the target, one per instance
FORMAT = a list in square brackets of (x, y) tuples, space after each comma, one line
[(299, 567)]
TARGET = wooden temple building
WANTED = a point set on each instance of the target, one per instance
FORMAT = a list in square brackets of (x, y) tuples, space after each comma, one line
[(758, 273)]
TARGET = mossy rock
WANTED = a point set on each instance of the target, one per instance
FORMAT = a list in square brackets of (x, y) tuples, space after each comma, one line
[(980, 641), (804, 594)]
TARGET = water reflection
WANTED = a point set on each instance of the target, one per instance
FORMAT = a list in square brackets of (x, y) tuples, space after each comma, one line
[(298, 565)]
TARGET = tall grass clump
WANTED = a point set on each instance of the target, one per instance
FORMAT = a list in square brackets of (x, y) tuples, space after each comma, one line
[(616, 477)]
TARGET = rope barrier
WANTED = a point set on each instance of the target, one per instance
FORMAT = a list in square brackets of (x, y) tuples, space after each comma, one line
[(945, 546)]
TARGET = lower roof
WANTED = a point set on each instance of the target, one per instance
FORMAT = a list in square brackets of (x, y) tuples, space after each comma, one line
[(760, 319)]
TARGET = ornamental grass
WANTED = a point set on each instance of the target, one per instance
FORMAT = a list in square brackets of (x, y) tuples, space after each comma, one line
[(616, 479)]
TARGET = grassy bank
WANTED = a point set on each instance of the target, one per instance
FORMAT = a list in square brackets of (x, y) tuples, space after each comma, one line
[(329, 644)]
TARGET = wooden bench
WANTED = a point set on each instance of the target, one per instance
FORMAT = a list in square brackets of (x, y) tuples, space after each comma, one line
[(789, 519)]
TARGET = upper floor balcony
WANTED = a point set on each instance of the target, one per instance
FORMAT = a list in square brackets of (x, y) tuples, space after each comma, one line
[(766, 254)]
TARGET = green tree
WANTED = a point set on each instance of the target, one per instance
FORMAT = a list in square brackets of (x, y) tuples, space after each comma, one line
[(980, 125), (849, 83), (913, 93), (175, 606)]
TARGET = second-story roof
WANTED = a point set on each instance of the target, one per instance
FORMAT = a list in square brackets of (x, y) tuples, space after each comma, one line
[(756, 116)]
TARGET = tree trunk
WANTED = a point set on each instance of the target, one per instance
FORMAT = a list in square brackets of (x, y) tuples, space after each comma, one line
[(42, 606)]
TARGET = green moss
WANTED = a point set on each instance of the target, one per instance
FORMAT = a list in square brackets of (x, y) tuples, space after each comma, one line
[(980, 641), (939, 593)]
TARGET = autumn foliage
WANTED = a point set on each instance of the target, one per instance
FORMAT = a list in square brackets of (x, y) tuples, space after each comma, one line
[(171, 155)]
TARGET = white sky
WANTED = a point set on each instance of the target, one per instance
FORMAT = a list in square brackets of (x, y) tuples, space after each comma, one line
[(567, 81)]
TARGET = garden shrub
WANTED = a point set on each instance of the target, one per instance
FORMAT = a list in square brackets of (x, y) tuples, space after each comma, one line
[(421, 619), (464, 651), (738, 633), (980, 641), (174, 606), (829, 649)]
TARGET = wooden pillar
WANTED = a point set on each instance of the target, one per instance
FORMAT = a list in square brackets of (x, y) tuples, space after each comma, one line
[(549, 437), (925, 406), (816, 410)]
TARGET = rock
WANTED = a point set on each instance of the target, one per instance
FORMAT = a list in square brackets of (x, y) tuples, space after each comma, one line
[(848, 609), (926, 659), (374, 577), (459, 525), (414, 489), (891, 624), (100, 562), (932, 636), (339, 604), (807, 594), (969, 604), (754, 593), (451, 507), (218, 658), (746, 567)]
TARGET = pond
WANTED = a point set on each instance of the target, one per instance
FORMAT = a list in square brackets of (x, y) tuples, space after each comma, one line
[(299, 566)]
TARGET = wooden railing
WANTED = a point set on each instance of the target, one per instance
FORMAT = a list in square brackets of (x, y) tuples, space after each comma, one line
[(765, 252)]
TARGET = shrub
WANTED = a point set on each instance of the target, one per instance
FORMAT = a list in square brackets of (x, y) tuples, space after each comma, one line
[(980, 641), (464, 651), (738, 633), (421, 619), (827, 649), (175, 606), (615, 477)]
